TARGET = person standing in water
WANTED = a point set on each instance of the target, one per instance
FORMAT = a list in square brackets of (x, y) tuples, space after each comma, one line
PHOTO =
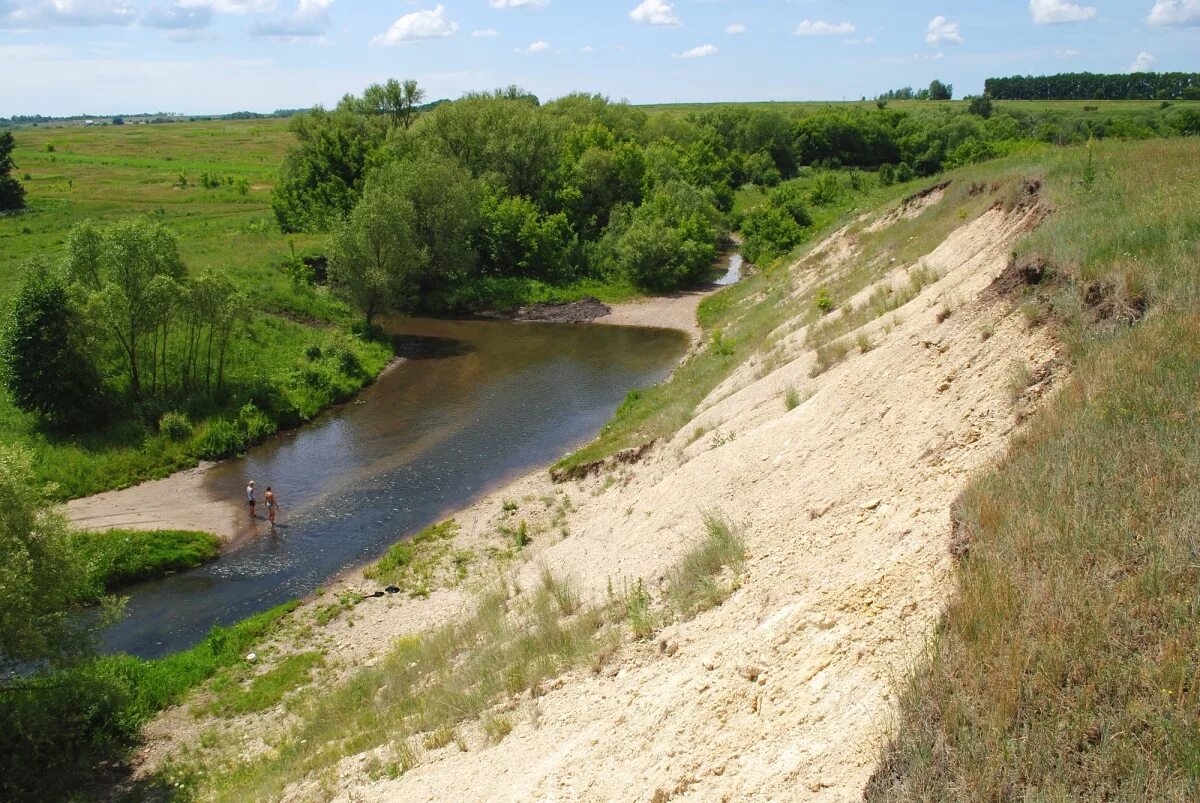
[(250, 500), (271, 505)]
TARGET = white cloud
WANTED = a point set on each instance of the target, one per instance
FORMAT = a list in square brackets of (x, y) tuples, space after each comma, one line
[(870, 40), (587, 49), (43, 13), (819, 28), (1175, 12), (518, 3), (534, 47), (311, 18), (177, 18), (486, 33), (1053, 12), (654, 12), (428, 24), (697, 52), (1069, 53), (735, 28), (1143, 63), (942, 31), (231, 6)]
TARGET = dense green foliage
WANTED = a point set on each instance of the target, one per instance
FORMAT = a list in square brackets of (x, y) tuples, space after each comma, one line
[(12, 194), (582, 188), (1096, 86), (40, 574), (43, 356), (59, 729)]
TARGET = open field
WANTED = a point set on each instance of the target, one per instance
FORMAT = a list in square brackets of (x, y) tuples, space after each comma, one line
[(1101, 107)]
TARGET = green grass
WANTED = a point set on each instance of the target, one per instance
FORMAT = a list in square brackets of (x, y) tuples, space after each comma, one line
[(418, 564), (117, 558), (428, 686), (698, 583), (266, 689), (1066, 667), (81, 721)]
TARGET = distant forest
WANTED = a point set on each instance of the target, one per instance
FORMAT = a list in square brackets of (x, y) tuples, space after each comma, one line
[(1094, 86)]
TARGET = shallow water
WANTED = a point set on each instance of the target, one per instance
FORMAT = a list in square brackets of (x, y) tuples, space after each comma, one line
[(475, 404), (733, 269)]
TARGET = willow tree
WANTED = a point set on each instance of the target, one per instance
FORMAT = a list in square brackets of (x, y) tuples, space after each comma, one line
[(122, 271)]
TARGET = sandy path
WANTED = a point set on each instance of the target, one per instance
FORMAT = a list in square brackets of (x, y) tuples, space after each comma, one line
[(181, 501)]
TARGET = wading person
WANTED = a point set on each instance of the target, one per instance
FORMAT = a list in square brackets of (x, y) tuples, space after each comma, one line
[(271, 504), (250, 500)]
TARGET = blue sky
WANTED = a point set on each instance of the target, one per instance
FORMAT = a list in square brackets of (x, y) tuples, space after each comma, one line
[(208, 56)]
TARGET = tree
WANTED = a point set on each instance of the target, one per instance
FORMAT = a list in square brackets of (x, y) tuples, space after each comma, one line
[(121, 271), (517, 238), (667, 242), (981, 106), (940, 91), (398, 101), (40, 573), (322, 176), (12, 194), (445, 202), (42, 353), (374, 259)]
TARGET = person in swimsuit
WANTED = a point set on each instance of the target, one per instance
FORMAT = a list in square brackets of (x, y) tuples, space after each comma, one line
[(271, 505), (250, 500)]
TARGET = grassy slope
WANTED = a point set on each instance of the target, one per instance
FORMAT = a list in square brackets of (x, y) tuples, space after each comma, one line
[(1067, 667), (111, 172)]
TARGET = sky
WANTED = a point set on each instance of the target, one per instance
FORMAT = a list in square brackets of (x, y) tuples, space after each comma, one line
[(63, 57)]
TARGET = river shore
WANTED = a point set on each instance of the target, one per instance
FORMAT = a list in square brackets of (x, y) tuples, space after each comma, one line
[(183, 501)]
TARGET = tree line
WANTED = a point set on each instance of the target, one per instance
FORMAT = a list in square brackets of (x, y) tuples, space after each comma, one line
[(1096, 86), (463, 203)]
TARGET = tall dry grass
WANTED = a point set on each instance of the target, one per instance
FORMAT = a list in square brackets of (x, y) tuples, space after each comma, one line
[(1068, 667)]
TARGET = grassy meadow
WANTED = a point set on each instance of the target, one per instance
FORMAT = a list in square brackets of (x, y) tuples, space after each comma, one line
[(73, 173)]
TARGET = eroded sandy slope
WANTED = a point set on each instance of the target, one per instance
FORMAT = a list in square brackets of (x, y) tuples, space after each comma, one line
[(783, 692)]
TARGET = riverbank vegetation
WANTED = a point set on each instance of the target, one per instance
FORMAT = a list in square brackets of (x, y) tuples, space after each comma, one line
[(466, 681), (117, 558), (1066, 667), (548, 199), (63, 712)]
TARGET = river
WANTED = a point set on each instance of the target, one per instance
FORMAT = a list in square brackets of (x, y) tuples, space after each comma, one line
[(475, 403)]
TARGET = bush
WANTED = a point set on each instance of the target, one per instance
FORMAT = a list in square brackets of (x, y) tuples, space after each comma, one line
[(255, 423), (222, 439), (824, 300), (175, 425)]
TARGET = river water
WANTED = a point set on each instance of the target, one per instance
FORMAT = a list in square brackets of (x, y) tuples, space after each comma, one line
[(475, 403)]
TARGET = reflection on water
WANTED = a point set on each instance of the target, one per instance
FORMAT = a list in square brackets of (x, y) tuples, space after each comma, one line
[(476, 403), (733, 270)]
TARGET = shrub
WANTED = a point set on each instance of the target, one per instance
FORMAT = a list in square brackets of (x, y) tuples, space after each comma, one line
[(824, 301), (255, 423), (175, 425), (694, 586), (221, 439)]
